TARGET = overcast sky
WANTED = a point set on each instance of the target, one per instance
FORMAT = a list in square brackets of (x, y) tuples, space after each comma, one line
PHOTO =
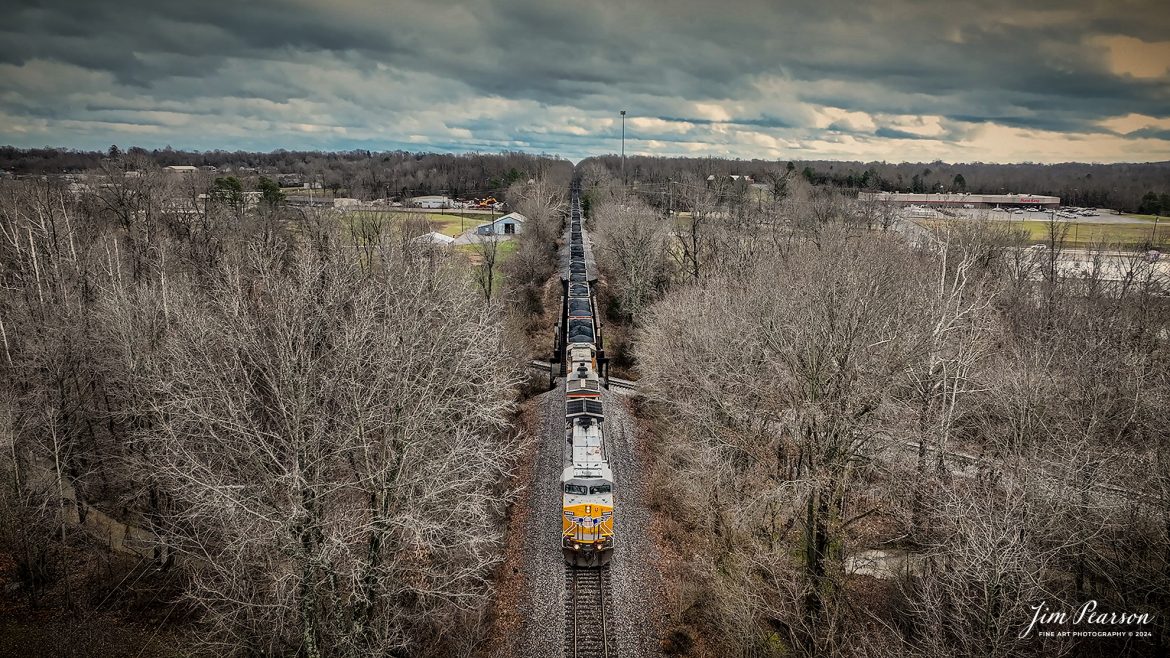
[(819, 79)]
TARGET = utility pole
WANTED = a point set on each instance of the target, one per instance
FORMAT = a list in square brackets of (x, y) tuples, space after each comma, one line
[(623, 148)]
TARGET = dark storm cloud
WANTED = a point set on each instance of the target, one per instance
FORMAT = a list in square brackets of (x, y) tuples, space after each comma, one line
[(893, 133), (537, 73), (761, 122), (1151, 133)]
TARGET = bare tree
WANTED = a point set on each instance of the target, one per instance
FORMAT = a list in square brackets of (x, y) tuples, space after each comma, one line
[(535, 257), (487, 254), (702, 198), (957, 334), (631, 243)]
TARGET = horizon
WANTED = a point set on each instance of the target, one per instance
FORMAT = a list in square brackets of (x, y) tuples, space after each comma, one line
[(455, 153), (804, 81)]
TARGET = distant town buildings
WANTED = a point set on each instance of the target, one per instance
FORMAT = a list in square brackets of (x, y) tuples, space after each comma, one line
[(181, 169)]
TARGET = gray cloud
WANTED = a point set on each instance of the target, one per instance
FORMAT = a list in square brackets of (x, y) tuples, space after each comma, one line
[(831, 78)]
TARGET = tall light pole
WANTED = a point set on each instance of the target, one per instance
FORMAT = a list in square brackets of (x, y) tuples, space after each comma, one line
[(623, 147)]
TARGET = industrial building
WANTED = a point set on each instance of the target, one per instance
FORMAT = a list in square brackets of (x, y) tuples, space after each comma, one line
[(963, 200), (432, 202), (509, 224)]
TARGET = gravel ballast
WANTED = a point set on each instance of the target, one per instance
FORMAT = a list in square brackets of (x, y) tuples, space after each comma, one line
[(637, 583), (542, 566)]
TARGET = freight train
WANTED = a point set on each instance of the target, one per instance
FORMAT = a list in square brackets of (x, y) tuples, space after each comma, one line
[(587, 491)]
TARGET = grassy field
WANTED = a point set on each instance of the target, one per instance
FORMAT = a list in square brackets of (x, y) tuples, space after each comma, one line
[(1146, 218), (1082, 234), (506, 249), (452, 225)]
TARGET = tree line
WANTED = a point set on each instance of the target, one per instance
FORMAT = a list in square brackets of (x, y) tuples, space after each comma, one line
[(1116, 186), (362, 174)]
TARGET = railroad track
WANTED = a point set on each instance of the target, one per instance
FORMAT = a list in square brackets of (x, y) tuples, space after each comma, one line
[(588, 630)]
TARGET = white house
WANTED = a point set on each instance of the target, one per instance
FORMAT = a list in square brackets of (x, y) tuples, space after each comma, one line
[(509, 224), (432, 201), (434, 238), (181, 169)]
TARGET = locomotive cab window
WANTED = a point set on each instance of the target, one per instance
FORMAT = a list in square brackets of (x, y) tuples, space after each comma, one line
[(576, 489), (600, 489)]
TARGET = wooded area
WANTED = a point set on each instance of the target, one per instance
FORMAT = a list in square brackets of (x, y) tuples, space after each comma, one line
[(878, 443), (868, 439), (362, 174), (306, 429)]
